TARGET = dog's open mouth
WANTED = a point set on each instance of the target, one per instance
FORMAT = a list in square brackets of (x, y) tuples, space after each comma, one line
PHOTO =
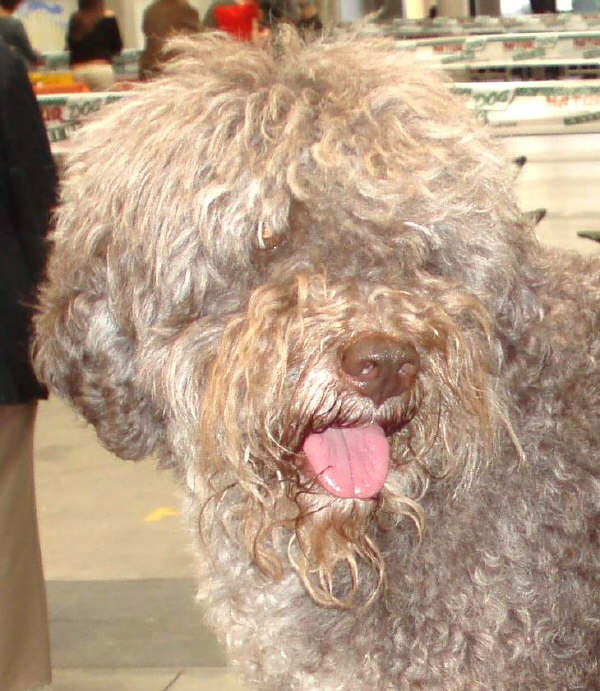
[(349, 462)]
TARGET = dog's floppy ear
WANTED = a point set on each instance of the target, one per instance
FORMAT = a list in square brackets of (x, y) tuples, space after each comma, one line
[(83, 349)]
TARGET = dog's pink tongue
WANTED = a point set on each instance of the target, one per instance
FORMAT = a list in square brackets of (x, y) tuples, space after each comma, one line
[(349, 462)]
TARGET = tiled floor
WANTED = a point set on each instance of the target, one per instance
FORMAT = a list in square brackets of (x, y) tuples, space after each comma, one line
[(119, 570)]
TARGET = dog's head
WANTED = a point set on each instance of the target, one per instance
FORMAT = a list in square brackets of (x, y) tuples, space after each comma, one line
[(294, 273)]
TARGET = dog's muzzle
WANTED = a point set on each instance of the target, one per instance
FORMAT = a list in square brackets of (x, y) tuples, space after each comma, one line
[(353, 462)]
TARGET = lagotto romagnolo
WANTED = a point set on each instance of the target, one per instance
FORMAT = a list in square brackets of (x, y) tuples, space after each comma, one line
[(298, 274)]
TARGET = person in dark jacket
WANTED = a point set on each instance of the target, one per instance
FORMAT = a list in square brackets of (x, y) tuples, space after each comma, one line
[(93, 40), (309, 17), (162, 19), (27, 193)]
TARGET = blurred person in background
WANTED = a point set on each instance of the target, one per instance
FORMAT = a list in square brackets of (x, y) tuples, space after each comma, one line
[(162, 19), (271, 14), (210, 18), (13, 32), (93, 39), (27, 193), (309, 17), (248, 20)]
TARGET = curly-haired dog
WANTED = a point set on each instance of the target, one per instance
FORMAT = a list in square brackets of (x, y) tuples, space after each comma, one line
[(299, 275)]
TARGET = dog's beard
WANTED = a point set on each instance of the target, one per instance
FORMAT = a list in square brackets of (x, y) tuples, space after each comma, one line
[(274, 385)]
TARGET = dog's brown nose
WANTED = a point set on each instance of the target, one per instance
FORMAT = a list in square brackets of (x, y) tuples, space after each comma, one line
[(379, 366)]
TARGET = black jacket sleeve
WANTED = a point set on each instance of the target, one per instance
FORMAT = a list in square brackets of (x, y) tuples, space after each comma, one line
[(27, 194)]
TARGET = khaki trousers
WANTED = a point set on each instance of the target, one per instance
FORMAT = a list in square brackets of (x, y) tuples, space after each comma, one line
[(96, 77), (24, 639)]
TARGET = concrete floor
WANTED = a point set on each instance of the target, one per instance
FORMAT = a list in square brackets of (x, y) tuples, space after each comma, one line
[(119, 570)]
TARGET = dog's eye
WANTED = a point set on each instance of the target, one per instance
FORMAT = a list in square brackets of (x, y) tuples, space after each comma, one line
[(267, 240)]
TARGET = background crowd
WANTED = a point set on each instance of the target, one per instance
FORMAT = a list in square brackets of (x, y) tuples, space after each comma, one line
[(93, 37)]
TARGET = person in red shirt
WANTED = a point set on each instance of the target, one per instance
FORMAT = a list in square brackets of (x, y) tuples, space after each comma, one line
[(242, 19)]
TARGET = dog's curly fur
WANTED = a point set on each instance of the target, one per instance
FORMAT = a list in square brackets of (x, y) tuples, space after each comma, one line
[(224, 234)]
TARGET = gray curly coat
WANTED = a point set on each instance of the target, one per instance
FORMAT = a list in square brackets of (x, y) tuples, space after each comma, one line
[(299, 276)]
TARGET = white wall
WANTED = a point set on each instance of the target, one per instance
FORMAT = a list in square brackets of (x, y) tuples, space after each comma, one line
[(351, 10), (46, 22)]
